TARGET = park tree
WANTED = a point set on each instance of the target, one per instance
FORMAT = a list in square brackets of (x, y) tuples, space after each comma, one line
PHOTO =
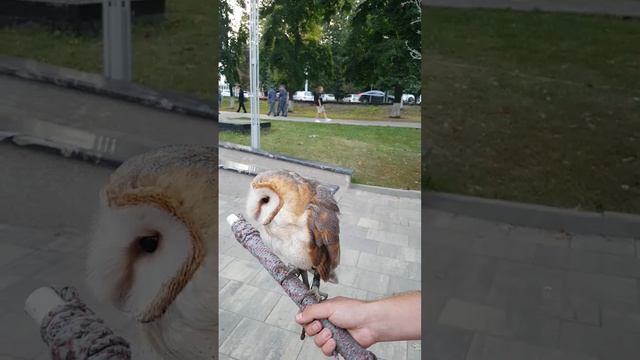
[(233, 43), (336, 34), (383, 41), (293, 45)]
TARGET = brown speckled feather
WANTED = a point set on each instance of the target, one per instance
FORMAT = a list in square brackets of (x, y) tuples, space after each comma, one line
[(324, 226)]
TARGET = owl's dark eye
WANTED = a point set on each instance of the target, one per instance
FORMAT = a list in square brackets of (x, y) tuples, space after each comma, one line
[(264, 200), (149, 244)]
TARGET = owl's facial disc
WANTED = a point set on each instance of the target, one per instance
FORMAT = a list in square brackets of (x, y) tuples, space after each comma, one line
[(135, 252), (262, 204)]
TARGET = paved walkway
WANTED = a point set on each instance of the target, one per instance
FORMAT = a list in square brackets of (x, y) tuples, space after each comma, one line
[(47, 203), (610, 7), (494, 291), (391, 123), (380, 255)]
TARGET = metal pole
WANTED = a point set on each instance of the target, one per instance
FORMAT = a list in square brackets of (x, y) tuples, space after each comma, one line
[(254, 75), (116, 39)]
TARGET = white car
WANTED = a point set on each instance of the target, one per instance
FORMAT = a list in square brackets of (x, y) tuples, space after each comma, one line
[(328, 98), (408, 99), (352, 98), (303, 96)]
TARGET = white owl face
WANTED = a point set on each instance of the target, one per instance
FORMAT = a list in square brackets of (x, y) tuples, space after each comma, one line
[(135, 250), (262, 204)]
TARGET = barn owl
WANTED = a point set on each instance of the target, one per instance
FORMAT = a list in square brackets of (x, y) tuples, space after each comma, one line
[(153, 253), (298, 218)]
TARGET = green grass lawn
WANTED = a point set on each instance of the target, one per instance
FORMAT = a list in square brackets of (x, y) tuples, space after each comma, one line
[(379, 156), (534, 107), (177, 54), (339, 111)]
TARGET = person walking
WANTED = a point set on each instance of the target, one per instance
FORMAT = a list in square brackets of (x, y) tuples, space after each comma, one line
[(241, 100), (318, 101), (397, 101), (271, 99), (283, 101)]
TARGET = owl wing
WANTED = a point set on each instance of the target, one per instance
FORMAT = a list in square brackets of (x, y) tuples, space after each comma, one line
[(324, 227)]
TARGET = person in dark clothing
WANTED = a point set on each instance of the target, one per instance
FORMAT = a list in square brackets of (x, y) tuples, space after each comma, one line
[(318, 101), (271, 98), (241, 100), (283, 97), (397, 101)]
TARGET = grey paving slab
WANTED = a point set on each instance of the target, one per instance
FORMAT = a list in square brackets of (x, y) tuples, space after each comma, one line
[(623, 266), (343, 290), (505, 248), (388, 237), (390, 350), (253, 339), (363, 279), (62, 192), (227, 321), (569, 259), (615, 246), (414, 350), (603, 288), (444, 342), (240, 270), (349, 256), (460, 274), (282, 315), (309, 351), (224, 260), (599, 342), (20, 336), (475, 317), (400, 285), (247, 300), (625, 321), (524, 286), (582, 309), (383, 264), (486, 347), (540, 236), (411, 253), (9, 253), (264, 281)]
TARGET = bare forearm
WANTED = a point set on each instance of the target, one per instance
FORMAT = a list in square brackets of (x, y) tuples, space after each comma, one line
[(396, 318)]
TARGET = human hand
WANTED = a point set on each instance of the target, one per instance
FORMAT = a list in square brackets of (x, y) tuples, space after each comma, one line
[(350, 314), (391, 319)]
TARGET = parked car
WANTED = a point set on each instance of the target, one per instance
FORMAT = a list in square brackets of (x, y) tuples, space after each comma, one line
[(419, 100), (352, 98), (303, 96), (375, 97), (408, 99), (328, 98)]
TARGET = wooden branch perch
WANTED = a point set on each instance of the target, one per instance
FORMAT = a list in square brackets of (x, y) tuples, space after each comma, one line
[(250, 239), (71, 330)]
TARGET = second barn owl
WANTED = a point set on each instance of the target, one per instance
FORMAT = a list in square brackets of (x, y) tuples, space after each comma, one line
[(154, 250)]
